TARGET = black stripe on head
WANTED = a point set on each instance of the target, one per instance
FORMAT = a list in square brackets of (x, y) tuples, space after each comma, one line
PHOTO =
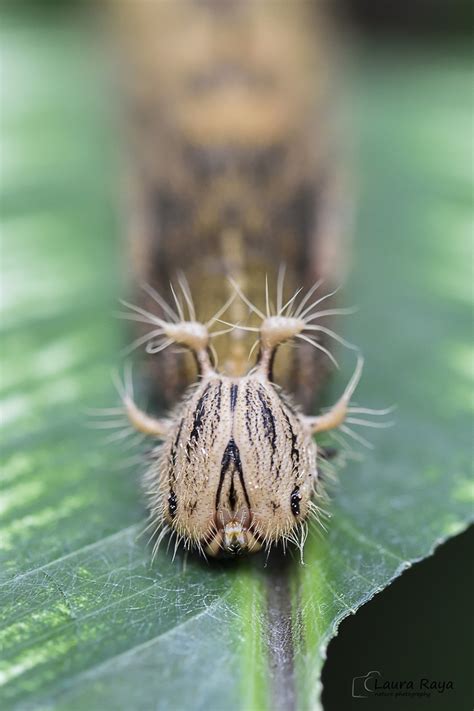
[(248, 410), (231, 457), (199, 413), (295, 454), (268, 420), (217, 400), (234, 389), (174, 448), (173, 457), (232, 495)]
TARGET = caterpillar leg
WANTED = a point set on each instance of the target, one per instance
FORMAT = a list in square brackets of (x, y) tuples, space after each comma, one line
[(338, 412)]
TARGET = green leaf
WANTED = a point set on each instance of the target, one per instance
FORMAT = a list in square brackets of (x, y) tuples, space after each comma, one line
[(87, 621)]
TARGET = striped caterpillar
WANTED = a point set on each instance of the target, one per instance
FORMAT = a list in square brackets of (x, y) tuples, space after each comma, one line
[(237, 468), (232, 172)]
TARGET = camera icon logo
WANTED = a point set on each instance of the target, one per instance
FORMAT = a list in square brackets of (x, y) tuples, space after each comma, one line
[(362, 686)]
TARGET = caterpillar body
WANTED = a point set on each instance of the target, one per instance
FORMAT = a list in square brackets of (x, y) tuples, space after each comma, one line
[(232, 176)]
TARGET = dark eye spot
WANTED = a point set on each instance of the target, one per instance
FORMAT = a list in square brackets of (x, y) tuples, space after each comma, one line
[(172, 503), (295, 501)]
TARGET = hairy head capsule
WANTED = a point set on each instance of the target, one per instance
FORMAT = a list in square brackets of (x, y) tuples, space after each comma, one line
[(230, 467), (237, 468)]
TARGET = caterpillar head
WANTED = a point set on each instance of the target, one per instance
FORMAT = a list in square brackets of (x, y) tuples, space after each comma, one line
[(238, 469)]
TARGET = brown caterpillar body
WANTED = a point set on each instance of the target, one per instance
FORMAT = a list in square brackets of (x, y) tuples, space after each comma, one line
[(232, 175), (233, 163)]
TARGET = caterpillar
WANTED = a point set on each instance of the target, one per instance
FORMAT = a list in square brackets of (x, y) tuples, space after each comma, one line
[(232, 174), (237, 468)]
